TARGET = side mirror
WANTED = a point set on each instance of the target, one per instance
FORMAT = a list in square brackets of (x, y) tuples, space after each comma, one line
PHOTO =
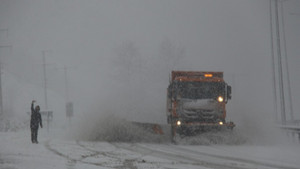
[(228, 92)]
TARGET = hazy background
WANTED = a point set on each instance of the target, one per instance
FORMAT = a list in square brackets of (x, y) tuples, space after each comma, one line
[(119, 54)]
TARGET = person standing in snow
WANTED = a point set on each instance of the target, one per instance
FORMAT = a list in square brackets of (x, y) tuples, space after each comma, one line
[(35, 121)]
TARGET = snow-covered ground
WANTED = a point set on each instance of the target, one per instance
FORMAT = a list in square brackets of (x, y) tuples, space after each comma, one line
[(57, 151)]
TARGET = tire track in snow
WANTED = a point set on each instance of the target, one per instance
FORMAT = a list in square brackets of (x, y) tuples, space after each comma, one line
[(177, 155), (187, 156), (231, 162), (73, 160), (117, 163), (131, 162), (188, 160), (97, 152), (249, 161), (127, 163)]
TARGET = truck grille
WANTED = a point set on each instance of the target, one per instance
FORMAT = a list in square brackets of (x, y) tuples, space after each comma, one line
[(199, 114)]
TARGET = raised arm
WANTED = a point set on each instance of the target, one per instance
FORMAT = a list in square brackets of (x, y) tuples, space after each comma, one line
[(32, 107)]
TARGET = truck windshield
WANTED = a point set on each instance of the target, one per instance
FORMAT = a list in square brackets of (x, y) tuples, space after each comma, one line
[(199, 90)]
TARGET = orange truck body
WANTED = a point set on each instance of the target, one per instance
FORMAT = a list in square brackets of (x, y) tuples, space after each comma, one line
[(196, 101)]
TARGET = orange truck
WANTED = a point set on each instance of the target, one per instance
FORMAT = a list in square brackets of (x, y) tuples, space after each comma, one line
[(196, 102)]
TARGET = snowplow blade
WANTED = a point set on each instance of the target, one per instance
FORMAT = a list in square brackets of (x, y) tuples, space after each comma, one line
[(150, 127)]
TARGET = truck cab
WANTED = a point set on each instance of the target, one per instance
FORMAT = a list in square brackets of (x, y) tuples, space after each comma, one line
[(196, 101)]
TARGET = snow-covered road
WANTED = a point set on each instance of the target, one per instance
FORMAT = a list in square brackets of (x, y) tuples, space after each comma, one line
[(16, 152)]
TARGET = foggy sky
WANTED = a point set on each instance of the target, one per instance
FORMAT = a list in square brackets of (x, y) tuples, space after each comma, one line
[(120, 53)]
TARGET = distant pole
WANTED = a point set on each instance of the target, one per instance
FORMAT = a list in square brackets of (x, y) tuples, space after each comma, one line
[(69, 104), (1, 103), (45, 87), (273, 62), (281, 90), (1, 97), (66, 84), (286, 64), (67, 94), (45, 79)]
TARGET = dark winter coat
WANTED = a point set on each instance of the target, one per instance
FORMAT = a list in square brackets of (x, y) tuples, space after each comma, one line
[(36, 118)]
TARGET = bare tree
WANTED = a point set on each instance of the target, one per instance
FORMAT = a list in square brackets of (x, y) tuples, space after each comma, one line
[(127, 61), (127, 74), (171, 54)]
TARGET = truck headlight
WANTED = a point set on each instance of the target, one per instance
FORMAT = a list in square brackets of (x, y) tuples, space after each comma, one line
[(221, 123), (220, 99), (178, 123)]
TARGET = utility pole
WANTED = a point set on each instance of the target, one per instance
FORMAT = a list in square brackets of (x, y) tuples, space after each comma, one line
[(45, 79), (1, 102), (1, 97), (66, 84), (45, 87), (273, 61), (286, 64), (69, 104), (280, 73)]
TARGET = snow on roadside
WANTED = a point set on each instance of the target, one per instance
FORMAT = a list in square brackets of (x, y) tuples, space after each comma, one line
[(54, 151), (17, 152)]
